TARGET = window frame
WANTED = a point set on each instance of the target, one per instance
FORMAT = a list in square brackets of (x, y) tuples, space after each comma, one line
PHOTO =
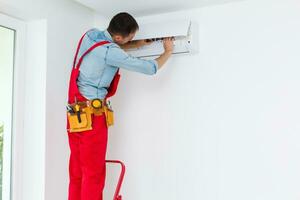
[(14, 142)]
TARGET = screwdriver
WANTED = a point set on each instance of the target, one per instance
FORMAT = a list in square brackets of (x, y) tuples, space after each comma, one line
[(77, 110)]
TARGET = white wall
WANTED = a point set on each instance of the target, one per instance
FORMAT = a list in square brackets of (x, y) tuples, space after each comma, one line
[(101, 22), (35, 119), (222, 124)]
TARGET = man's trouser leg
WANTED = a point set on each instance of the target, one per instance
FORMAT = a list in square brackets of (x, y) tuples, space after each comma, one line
[(87, 162)]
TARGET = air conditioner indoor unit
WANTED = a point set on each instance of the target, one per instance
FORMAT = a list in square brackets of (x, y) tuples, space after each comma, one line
[(185, 33)]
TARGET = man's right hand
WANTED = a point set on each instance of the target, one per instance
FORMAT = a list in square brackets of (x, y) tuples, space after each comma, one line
[(168, 44)]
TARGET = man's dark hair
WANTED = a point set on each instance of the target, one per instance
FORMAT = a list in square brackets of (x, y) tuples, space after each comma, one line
[(123, 24)]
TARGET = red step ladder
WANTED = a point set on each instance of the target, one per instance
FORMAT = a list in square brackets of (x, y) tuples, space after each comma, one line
[(117, 195)]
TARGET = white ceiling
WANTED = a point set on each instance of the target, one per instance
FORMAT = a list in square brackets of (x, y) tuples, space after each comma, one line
[(138, 8)]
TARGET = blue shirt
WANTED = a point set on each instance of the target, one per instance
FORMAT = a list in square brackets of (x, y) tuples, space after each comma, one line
[(100, 66)]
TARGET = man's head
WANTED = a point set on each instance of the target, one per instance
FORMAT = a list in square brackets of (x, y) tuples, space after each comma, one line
[(122, 28)]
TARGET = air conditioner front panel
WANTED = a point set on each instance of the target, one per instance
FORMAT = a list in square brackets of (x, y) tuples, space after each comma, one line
[(163, 29)]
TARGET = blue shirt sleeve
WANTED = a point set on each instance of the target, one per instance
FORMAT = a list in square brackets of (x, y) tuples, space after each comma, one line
[(117, 57)]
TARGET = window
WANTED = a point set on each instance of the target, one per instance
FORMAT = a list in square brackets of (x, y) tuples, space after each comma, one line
[(7, 40), (12, 48)]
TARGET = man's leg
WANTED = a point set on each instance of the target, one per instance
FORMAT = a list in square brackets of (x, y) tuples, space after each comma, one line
[(92, 156), (74, 167)]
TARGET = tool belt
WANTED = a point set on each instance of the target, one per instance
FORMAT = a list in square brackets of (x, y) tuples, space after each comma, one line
[(80, 114)]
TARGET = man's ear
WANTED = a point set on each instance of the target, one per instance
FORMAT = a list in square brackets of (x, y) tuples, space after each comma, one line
[(118, 38)]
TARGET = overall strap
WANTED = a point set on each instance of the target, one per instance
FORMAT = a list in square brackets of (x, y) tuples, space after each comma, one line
[(78, 47), (113, 86), (85, 53)]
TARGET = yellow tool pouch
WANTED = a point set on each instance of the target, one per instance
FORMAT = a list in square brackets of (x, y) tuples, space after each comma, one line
[(109, 114), (80, 118)]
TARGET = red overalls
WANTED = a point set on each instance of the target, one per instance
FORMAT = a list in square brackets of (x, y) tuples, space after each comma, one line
[(88, 148)]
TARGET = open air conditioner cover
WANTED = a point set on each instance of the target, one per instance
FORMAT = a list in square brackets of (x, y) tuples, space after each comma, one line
[(181, 30), (163, 29)]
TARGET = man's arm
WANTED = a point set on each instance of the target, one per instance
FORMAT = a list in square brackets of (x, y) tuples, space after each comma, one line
[(168, 46), (135, 44), (119, 58)]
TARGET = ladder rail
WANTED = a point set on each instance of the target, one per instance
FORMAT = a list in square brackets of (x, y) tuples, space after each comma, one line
[(117, 195)]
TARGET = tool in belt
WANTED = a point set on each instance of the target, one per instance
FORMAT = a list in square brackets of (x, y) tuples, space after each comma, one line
[(80, 109), (80, 114)]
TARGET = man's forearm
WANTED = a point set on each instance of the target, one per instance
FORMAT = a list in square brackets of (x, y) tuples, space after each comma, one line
[(162, 59)]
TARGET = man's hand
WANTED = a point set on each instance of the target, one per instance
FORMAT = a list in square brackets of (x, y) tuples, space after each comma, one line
[(168, 44)]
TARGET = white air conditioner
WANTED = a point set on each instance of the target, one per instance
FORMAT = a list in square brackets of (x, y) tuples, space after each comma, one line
[(184, 32)]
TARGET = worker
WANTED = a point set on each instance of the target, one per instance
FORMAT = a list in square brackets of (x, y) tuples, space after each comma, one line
[(94, 78)]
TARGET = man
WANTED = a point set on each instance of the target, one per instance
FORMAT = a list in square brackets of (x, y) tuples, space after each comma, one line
[(94, 78)]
